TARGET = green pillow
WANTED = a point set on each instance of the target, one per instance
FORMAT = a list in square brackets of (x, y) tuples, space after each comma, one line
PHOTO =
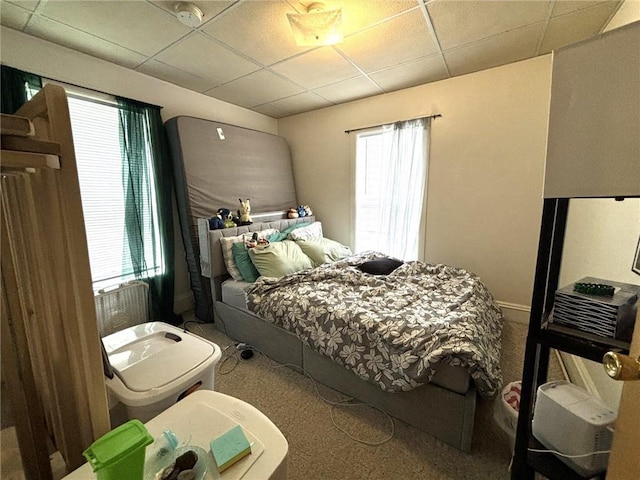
[(279, 236), (323, 250), (243, 262), (279, 259)]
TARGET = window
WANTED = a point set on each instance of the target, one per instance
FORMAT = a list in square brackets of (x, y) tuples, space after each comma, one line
[(371, 149), (126, 185), (98, 140), (390, 181)]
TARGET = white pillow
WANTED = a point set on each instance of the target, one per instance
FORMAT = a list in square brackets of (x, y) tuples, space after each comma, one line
[(310, 232), (227, 250)]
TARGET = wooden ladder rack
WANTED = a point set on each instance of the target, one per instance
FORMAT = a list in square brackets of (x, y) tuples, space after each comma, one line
[(51, 355)]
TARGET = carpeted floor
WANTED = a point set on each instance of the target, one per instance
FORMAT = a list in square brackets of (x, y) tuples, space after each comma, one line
[(319, 450)]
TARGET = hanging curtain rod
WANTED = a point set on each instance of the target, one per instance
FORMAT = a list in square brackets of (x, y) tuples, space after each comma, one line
[(437, 115)]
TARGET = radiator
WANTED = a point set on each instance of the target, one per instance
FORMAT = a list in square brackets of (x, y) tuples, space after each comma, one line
[(122, 307)]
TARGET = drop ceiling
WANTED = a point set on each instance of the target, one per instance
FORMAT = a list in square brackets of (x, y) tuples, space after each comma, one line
[(244, 52)]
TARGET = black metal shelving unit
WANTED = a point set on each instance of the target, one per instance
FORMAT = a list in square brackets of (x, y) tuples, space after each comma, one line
[(542, 337)]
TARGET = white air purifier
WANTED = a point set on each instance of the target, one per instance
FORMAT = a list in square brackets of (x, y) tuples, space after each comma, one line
[(571, 421)]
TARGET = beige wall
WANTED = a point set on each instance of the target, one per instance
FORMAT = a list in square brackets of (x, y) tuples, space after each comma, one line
[(34, 55), (59, 63), (485, 170), (628, 12)]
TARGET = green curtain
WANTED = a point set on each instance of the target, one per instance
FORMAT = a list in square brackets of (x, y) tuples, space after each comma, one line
[(147, 182), (16, 88)]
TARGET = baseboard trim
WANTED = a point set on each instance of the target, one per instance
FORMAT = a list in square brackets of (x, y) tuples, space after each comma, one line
[(183, 303), (516, 312)]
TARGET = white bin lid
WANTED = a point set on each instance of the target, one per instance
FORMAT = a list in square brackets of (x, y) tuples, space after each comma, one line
[(152, 355)]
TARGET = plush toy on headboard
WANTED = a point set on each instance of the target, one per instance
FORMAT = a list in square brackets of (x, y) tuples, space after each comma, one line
[(299, 211), (245, 212), (216, 222), (222, 219)]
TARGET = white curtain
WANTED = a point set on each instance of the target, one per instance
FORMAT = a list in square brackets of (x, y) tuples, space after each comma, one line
[(403, 190)]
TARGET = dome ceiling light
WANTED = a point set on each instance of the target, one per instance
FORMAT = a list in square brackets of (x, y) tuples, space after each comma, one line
[(318, 26)]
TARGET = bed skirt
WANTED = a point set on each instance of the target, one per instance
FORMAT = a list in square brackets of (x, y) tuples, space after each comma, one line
[(438, 411)]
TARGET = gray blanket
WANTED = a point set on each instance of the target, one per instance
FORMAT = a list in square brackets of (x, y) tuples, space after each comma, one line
[(391, 330)]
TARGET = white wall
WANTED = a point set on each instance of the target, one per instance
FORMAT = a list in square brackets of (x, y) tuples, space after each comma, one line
[(486, 165), (37, 56)]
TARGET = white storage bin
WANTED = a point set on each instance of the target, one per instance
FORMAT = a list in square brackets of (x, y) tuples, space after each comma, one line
[(155, 366), (506, 410)]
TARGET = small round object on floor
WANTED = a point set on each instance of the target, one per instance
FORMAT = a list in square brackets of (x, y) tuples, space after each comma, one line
[(246, 354)]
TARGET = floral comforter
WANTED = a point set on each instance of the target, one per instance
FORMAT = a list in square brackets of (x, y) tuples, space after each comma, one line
[(391, 330)]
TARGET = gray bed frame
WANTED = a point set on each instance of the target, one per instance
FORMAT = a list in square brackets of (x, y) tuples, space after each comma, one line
[(446, 414)]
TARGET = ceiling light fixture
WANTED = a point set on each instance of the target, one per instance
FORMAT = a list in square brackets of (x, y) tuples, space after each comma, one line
[(188, 14), (318, 26)]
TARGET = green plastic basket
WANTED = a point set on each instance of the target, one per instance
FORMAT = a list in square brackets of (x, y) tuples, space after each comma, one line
[(119, 454)]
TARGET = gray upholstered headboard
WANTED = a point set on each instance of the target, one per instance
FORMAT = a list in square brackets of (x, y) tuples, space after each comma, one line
[(216, 164), (211, 259)]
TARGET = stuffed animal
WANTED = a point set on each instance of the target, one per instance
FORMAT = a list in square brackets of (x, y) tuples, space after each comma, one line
[(229, 223), (245, 212), (227, 218), (292, 213), (307, 210), (216, 222), (301, 211)]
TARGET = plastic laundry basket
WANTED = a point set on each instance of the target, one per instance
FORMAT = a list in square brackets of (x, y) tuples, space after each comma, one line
[(506, 410), (120, 453)]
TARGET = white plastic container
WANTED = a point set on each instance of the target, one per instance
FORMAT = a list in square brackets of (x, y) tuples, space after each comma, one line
[(506, 411), (155, 366)]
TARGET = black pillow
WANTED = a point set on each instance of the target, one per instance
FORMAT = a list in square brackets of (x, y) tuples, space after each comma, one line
[(380, 266)]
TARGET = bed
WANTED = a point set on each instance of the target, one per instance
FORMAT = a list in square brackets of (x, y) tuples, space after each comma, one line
[(436, 394)]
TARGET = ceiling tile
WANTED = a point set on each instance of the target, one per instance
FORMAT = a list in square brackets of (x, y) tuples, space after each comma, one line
[(265, 33), (28, 4), (398, 40), (271, 110), (208, 8), (568, 6), (425, 70), (348, 90), (82, 42), (13, 17), (302, 102), (254, 89), (170, 74), (358, 14), (138, 26), (205, 58), (317, 68), (576, 26), (497, 50), (458, 23)]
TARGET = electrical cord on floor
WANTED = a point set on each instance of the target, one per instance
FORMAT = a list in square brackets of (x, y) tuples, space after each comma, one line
[(347, 402), (197, 322), (598, 452), (224, 359), (273, 364)]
